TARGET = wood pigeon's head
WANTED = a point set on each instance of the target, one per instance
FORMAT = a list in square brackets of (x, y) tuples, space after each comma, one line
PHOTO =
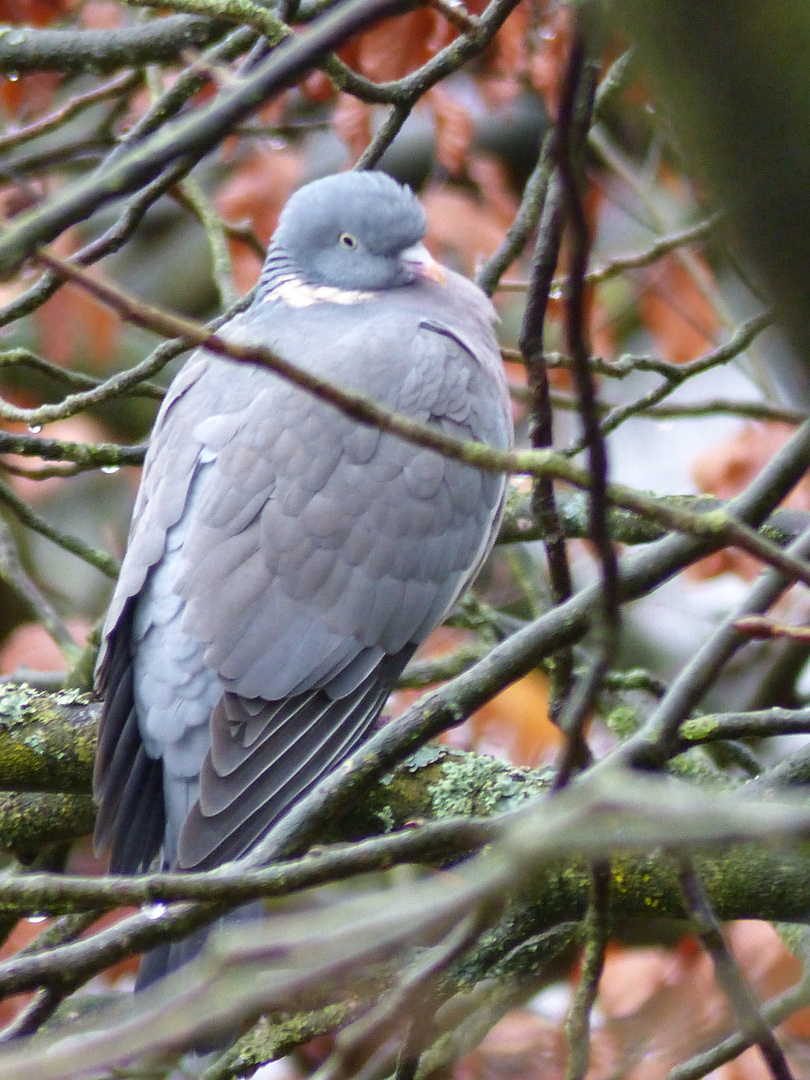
[(356, 230)]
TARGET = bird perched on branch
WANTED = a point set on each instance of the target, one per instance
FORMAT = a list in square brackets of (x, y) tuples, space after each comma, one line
[(285, 561)]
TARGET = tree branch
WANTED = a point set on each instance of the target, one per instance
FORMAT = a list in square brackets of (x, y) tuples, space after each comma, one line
[(24, 49), (194, 135)]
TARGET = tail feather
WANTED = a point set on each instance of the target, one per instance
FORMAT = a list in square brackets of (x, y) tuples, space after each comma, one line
[(164, 959)]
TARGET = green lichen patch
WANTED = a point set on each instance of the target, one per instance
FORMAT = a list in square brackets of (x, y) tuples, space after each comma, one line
[(425, 755), (15, 700), (623, 721), (479, 786), (47, 741), (699, 728), (386, 816)]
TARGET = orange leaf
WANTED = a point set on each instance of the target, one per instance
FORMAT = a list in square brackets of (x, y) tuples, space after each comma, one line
[(454, 130), (521, 1045), (515, 725), (494, 189), (256, 191), (351, 121), (547, 64), (30, 646), (506, 63), (461, 231), (727, 469), (676, 312), (33, 12), (28, 95), (510, 56), (398, 46), (101, 15), (318, 87), (73, 325)]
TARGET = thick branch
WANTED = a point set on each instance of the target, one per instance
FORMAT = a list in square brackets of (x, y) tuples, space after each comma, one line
[(292, 962), (29, 823), (24, 49), (47, 741)]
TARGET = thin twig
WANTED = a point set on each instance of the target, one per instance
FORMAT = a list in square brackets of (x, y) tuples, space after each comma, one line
[(577, 1026), (759, 724), (728, 973), (363, 409), (740, 340), (212, 224), (574, 118), (121, 85), (233, 884), (541, 429), (88, 455), (15, 358), (777, 1010), (28, 517), (620, 264), (385, 136), (523, 224), (181, 144), (13, 573), (658, 738), (47, 999)]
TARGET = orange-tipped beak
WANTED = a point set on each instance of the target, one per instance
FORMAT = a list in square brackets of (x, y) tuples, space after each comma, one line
[(419, 259)]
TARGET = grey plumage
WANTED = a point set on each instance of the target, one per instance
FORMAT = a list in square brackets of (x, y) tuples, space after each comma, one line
[(285, 562)]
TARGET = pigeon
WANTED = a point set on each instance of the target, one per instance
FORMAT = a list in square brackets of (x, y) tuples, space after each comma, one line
[(284, 561)]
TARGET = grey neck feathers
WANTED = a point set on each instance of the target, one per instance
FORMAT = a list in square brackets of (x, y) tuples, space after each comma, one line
[(278, 268)]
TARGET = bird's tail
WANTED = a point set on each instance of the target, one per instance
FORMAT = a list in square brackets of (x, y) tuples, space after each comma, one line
[(167, 958)]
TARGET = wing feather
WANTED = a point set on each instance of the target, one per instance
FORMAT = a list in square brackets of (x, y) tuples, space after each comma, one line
[(309, 555), (140, 820), (309, 735)]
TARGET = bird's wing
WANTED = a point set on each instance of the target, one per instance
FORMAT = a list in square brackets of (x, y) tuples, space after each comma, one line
[(316, 538), (128, 774), (322, 553), (307, 555)]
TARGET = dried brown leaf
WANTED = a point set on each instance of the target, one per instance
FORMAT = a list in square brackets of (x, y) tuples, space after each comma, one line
[(351, 121), (454, 130), (31, 646), (460, 230), (676, 312), (522, 1046), (398, 46), (27, 96), (506, 62), (101, 15), (34, 12), (256, 191), (550, 55), (515, 725), (725, 470)]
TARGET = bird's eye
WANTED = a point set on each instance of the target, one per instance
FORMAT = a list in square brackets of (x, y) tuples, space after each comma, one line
[(348, 241)]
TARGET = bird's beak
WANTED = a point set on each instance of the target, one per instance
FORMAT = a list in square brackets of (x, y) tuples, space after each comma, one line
[(421, 262)]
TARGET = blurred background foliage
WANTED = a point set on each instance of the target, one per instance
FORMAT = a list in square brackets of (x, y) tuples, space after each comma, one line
[(469, 147)]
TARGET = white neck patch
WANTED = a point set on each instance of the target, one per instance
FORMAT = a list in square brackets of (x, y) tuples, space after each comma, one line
[(296, 293)]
